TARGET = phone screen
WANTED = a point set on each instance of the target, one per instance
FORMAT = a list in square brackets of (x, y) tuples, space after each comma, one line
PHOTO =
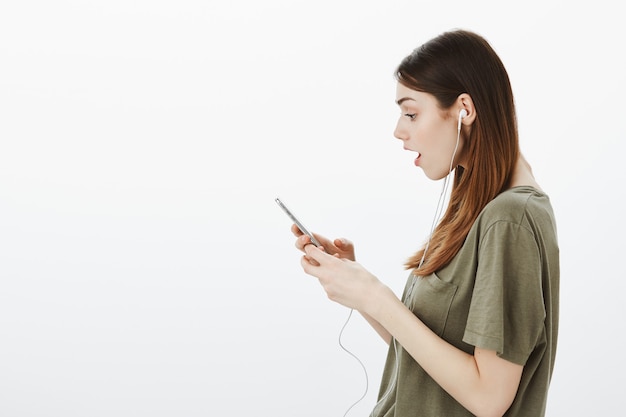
[(297, 222)]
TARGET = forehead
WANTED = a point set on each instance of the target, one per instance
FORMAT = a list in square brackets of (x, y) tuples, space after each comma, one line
[(406, 96)]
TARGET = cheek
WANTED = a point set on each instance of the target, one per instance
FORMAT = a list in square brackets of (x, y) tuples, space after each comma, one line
[(437, 143), (425, 133)]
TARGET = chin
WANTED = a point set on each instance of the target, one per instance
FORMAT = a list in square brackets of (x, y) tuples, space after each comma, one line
[(435, 176)]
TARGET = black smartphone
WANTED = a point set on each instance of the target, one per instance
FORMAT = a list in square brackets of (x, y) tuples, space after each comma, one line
[(298, 222)]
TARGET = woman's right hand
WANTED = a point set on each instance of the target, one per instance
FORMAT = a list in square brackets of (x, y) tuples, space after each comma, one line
[(341, 248)]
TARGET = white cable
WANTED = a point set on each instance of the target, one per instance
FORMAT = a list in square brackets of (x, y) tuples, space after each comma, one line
[(358, 360), (438, 212), (444, 191)]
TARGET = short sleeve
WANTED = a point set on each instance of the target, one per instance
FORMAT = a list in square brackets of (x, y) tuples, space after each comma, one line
[(507, 310)]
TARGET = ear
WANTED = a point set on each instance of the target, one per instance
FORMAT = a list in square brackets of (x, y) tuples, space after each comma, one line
[(464, 102)]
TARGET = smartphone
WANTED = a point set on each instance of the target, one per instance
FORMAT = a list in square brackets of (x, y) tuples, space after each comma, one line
[(298, 222)]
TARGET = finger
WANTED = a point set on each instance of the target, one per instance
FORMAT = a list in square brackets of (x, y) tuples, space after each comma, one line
[(308, 264), (296, 230), (314, 253), (343, 243), (302, 241)]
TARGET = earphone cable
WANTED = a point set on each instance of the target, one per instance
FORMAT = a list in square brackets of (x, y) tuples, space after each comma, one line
[(438, 212), (357, 359), (444, 191)]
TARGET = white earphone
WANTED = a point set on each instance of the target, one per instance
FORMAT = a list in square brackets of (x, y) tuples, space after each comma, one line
[(462, 114)]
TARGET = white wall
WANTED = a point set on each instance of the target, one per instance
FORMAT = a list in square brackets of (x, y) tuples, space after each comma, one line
[(144, 266)]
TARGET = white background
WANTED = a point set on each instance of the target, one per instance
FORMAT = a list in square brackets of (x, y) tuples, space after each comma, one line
[(145, 269)]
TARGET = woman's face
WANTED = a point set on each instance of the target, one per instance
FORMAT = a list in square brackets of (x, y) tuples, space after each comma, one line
[(428, 130)]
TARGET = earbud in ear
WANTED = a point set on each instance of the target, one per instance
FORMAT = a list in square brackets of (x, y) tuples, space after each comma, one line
[(462, 114)]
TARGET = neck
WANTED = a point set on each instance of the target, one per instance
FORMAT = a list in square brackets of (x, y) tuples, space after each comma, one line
[(523, 174)]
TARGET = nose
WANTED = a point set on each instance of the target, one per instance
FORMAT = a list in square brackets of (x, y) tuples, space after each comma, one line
[(399, 132)]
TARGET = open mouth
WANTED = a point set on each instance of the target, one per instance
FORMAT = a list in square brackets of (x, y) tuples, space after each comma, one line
[(417, 159)]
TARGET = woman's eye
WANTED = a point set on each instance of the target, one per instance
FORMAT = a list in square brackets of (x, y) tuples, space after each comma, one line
[(411, 115)]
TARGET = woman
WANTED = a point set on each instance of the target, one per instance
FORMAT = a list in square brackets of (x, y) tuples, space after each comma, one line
[(476, 328)]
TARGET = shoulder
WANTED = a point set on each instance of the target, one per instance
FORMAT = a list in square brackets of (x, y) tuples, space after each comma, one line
[(515, 210), (516, 205)]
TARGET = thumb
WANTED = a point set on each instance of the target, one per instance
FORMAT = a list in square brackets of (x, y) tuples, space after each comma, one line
[(343, 243), (313, 252)]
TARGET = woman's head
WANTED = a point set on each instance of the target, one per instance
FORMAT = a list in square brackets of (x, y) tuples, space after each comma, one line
[(461, 62), (460, 70)]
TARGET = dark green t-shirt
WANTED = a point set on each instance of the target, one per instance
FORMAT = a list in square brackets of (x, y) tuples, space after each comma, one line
[(500, 292)]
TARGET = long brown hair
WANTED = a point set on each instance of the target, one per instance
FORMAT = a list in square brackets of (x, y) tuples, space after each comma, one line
[(447, 66)]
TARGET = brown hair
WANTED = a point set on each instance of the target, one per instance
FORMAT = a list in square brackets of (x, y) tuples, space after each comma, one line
[(447, 66)]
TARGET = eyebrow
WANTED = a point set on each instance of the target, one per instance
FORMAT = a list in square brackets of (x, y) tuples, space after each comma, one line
[(403, 99)]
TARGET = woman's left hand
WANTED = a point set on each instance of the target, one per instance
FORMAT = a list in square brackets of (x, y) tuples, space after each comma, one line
[(345, 281)]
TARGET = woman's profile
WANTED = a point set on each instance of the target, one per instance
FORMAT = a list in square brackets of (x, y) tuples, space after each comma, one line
[(475, 329)]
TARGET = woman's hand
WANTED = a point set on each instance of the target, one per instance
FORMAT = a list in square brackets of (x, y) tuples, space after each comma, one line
[(342, 248), (344, 280), (348, 292)]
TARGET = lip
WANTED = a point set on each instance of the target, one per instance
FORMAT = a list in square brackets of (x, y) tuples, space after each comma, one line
[(412, 150), (418, 158)]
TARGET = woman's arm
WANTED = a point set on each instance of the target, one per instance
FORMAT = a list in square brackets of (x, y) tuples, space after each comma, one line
[(380, 329), (483, 383)]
